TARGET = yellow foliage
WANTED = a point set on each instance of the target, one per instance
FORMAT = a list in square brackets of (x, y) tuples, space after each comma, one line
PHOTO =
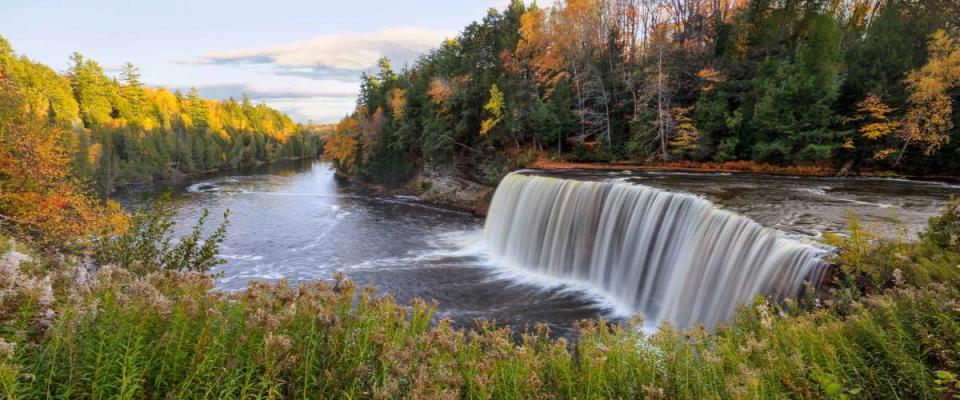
[(848, 144), (883, 154), (452, 42), (165, 106), (711, 76), (928, 118), (341, 145), (494, 107), (874, 112), (93, 154), (398, 102), (685, 133)]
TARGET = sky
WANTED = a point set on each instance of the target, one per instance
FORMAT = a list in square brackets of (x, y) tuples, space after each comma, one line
[(302, 57)]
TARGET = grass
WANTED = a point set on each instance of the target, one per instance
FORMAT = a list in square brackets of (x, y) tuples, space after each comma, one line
[(887, 329)]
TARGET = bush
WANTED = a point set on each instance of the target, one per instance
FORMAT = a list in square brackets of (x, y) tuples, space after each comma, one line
[(147, 246)]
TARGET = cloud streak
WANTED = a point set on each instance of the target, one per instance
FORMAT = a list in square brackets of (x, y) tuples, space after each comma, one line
[(236, 91), (321, 101), (339, 56)]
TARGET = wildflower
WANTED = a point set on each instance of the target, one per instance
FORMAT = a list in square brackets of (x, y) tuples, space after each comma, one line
[(10, 263), (150, 296), (763, 310), (277, 344), (653, 392), (711, 358), (7, 349), (897, 277), (46, 318)]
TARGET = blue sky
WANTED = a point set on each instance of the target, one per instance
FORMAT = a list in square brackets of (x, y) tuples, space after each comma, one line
[(302, 57)]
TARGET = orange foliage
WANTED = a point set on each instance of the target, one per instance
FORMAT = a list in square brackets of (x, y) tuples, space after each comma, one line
[(928, 119), (440, 90), (398, 102), (38, 195), (540, 42), (342, 144)]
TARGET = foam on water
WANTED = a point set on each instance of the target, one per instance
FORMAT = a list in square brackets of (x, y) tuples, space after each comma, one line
[(244, 257)]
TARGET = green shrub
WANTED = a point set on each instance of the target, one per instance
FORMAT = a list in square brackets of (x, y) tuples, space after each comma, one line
[(147, 246)]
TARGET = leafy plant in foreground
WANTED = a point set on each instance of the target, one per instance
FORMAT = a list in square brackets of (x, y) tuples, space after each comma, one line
[(147, 246)]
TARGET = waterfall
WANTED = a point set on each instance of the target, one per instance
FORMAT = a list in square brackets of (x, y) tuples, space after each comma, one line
[(670, 256)]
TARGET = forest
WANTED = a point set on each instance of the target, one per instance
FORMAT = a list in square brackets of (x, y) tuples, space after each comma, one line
[(859, 85), (118, 130)]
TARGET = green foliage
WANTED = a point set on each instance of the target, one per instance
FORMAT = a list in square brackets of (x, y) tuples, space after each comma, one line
[(147, 246), (943, 231), (773, 82), (947, 384), (120, 131)]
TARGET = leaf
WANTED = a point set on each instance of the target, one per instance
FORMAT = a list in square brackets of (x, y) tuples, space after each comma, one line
[(833, 389)]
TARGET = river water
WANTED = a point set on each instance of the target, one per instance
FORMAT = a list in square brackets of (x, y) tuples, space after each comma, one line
[(296, 221)]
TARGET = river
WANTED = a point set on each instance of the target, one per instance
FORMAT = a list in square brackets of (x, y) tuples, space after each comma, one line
[(296, 221)]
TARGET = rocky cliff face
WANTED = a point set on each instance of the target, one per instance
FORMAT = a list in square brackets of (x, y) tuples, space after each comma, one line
[(448, 187)]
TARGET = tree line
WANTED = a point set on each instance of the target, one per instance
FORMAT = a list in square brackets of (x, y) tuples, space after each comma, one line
[(117, 130), (868, 84)]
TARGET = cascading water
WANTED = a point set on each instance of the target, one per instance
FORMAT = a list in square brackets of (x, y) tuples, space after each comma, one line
[(670, 256)]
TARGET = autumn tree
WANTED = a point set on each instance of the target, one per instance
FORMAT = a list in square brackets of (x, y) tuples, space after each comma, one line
[(341, 145), (39, 197), (494, 108), (685, 138), (877, 124), (928, 118)]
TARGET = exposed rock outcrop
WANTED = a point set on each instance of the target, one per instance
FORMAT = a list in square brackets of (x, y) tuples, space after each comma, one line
[(448, 187)]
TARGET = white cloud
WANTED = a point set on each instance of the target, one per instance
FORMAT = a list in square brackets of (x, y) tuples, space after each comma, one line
[(237, 90), (316, 78), (336, 56)]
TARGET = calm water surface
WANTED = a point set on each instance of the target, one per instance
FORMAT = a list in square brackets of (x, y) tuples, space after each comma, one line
[(295, 221)]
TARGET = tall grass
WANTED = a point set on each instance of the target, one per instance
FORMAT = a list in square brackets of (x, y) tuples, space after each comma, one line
[(168, 335), (159, 333)]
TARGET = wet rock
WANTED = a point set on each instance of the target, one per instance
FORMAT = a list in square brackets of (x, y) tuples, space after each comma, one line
[(448, 187)]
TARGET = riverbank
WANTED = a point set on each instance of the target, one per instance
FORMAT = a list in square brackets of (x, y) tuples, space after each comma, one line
[(689, 166), (443, 187), (451, 188), (175, 176), (747, 167)]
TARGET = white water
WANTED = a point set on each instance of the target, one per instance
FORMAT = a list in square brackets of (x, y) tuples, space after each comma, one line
[(669, 256)]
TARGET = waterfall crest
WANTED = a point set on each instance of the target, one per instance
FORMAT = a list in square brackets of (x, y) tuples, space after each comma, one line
[(670, 256)]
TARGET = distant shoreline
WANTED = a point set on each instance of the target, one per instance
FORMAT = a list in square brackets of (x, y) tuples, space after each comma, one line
[(746, 167)]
